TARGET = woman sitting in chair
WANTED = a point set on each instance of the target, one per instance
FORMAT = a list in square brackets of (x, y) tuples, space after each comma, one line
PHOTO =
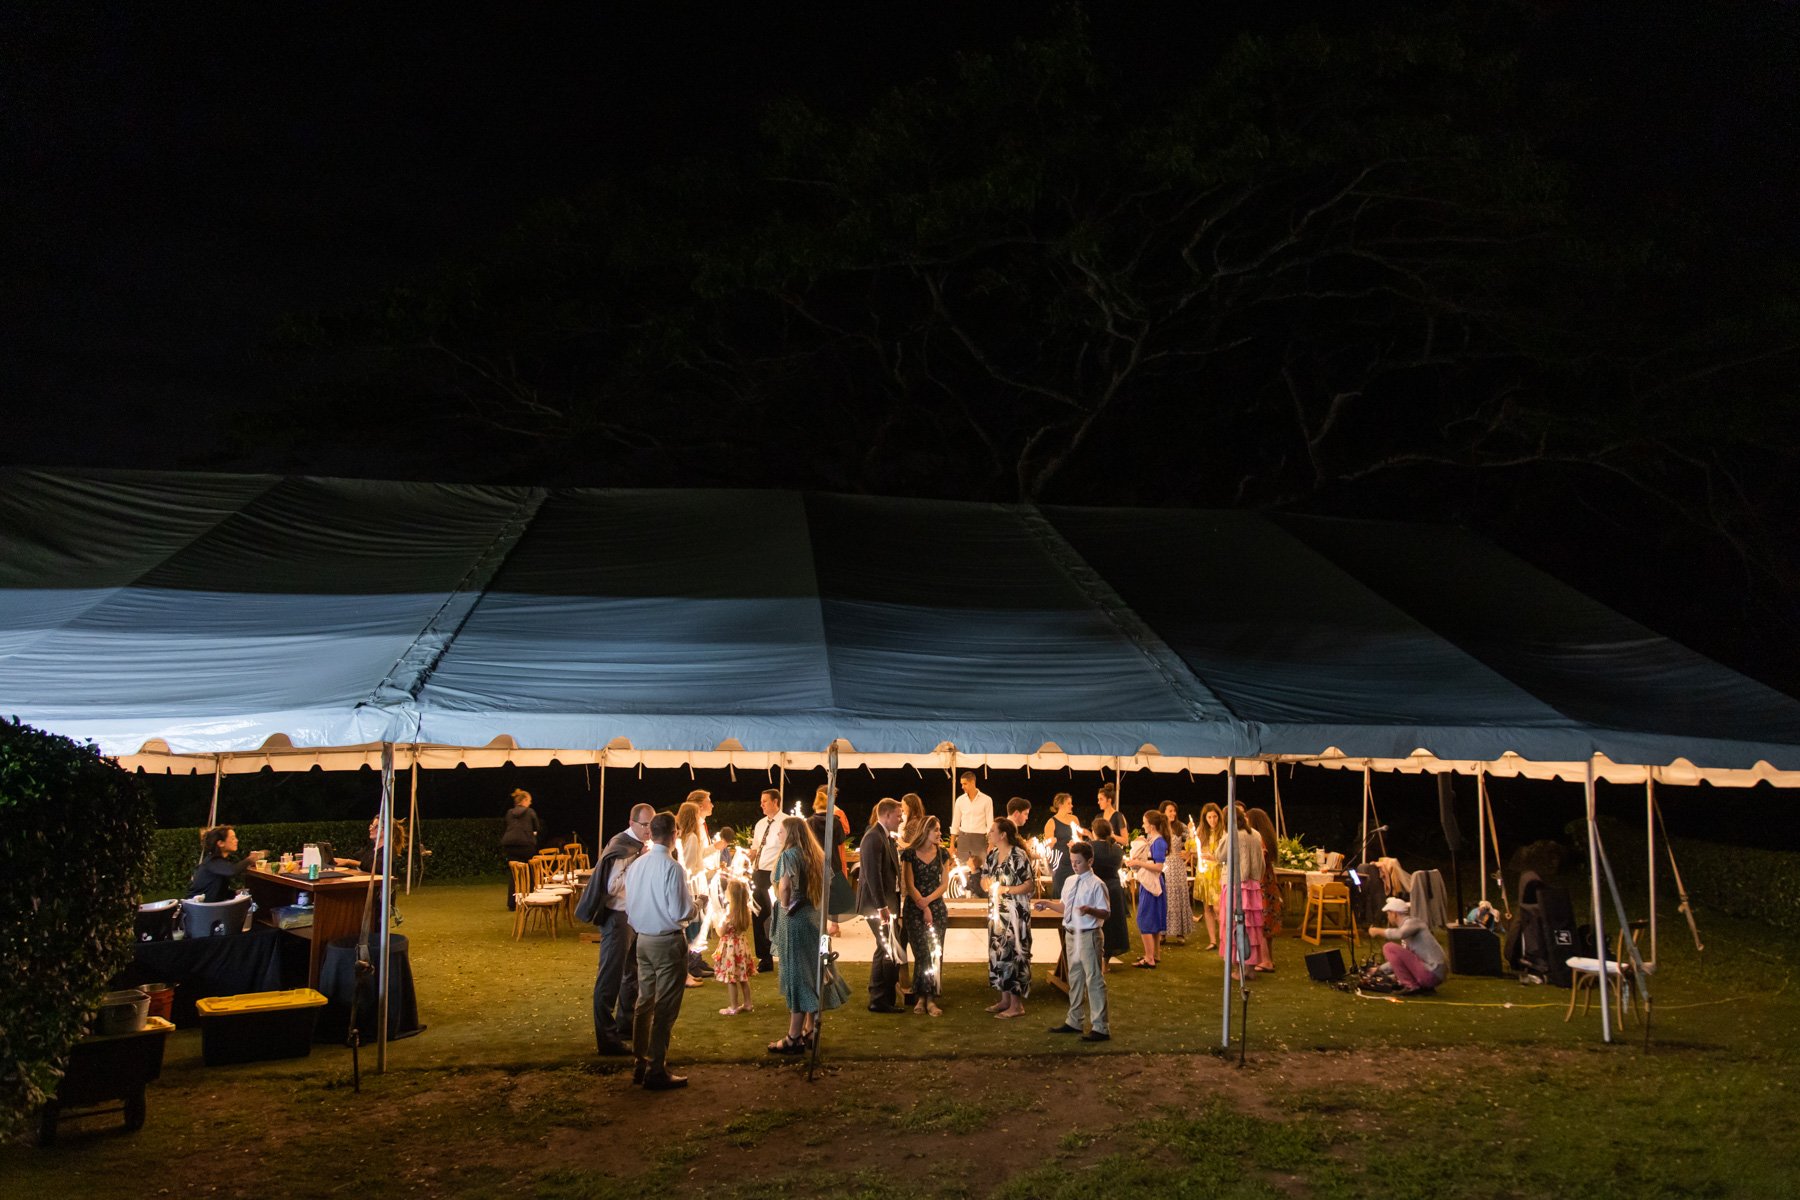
[(216, 878)]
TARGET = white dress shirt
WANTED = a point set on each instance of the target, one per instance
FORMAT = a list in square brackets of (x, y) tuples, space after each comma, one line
[(1079, 890), (658, 898), (765, 844), (972, 814)]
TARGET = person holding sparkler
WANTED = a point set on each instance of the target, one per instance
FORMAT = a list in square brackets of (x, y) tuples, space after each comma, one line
[(799, 899), (1211, 839), (925, 917), (733, 963), (1060, 832), (878, 899), (691, 852), (765, 848), (1084, 907), (1108, 797), (1008, 876), (1177, 891), (1153, 901)]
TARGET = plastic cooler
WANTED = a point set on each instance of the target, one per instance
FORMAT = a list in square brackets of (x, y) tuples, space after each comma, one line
[(258, 1026)]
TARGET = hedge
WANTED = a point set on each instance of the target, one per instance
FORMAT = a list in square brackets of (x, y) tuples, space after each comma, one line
[(1739, 881), (73, 829), (460, 849)]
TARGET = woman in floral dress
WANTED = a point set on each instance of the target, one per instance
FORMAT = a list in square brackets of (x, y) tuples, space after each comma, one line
[(1008, 868), (1175, 878), (923, 916)]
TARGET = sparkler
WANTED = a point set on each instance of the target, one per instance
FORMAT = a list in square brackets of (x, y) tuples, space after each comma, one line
[(934, 971), (959, 881)]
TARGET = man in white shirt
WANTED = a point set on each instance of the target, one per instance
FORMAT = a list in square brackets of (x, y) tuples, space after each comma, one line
[(970, 820), (1084, 909), (765, 849), (659, 903)]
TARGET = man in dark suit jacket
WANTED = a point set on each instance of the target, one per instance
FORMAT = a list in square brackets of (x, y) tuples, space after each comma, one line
[(616, 983), (878, 899)]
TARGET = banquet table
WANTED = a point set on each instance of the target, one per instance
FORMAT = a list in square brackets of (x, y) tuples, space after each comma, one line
[(212, 966), (337, 908)]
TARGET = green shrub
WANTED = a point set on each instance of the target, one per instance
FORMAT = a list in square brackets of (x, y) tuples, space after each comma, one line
[(460, 849), (1740, 881), (74, 848)]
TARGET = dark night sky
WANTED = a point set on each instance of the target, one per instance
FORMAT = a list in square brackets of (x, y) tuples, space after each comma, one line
[(179, 179)]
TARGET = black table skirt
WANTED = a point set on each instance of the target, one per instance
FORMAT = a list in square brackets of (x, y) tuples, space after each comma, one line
[(337, 980), (213, 966)]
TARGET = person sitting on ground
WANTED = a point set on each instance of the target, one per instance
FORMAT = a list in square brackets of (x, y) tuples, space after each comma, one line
[(1413, 956), (1084, 907), (216, 878)]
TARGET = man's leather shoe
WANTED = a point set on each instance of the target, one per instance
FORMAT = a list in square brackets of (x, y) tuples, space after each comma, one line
[(662, 1081), (1064, 1029), (885, 1008), (1096, 1036), (637, 1072), (612, 1049)]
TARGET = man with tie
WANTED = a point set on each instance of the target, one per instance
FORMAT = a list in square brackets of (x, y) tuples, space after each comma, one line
[(765, 849)]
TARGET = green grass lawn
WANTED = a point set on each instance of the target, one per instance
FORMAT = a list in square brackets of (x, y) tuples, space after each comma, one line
[(1480, 1091)]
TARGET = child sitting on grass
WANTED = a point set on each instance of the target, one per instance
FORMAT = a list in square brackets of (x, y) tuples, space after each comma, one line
[(733, 961)]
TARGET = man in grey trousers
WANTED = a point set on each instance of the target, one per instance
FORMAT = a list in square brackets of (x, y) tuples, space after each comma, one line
[(659, 903)]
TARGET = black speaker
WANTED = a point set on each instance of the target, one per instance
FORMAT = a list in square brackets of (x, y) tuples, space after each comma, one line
[(1474, 951), (1326, 965)]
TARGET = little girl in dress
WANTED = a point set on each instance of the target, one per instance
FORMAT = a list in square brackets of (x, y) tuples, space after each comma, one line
[(733, 962)]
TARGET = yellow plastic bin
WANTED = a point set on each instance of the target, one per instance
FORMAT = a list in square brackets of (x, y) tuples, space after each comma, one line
[(258, 1026)]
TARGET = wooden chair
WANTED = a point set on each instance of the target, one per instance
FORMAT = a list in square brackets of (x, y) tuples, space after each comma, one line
[(529, 902), (572, 849), (550, 877), (1621, 974), (1326, 897)]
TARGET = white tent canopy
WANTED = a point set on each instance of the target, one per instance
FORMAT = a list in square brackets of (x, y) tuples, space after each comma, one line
[(189, 621)]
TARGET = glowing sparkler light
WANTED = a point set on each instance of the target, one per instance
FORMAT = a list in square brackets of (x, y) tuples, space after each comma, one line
[(994, 905)]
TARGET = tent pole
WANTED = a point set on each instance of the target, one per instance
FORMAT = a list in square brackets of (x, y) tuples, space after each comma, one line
[(1650, 851), (412, 819), (383, 969), (1118, 785), (1499, 867), (1237, 903), (1363, 851), (212, 814), (1593, 831), (1481, 830), (600, 816), (831, 770), (1280, 819)]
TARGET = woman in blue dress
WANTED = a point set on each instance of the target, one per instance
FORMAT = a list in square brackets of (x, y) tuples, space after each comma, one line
[(1153, 903)]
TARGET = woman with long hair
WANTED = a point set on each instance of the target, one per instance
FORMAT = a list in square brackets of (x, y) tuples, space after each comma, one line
[(1177, 890), (1250, 949), (924, 918), (690, 850), (1007, 875), (1153, 899), (1211, 836), (912, 810), (1264, 829), (799, 899), (1061, 831), (519, 840), (817, 820), (216, 878)]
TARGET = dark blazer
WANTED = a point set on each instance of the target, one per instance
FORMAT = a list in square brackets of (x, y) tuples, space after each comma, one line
[(622, 851), (878, 885)]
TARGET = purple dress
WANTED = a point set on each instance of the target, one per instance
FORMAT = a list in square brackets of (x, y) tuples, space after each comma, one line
[(1153, 911)]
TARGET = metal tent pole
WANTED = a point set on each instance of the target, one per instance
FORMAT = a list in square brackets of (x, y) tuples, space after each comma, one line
[(412, 819), (1364, 852), (1237, 903), (1280, 818), (1593, 828), (383, 967), (1650, 851), (600, 814), (1481, 830), (825, 915), (212, 814)]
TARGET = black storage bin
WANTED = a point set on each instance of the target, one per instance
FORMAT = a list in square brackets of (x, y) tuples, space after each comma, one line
[(258, 1027)]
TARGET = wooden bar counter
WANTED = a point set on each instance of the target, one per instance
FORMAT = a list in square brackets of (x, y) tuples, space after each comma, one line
[(337, 908)]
